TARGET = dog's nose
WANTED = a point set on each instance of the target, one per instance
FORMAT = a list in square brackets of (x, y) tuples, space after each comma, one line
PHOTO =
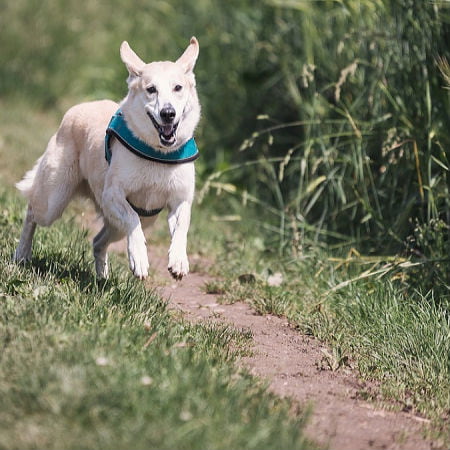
[(168, 114)]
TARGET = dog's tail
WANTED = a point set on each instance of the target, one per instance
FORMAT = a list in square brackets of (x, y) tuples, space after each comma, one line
[(25, 186)]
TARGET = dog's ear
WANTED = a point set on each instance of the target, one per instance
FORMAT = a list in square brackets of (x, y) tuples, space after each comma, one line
[(189, 57), (131, 60)]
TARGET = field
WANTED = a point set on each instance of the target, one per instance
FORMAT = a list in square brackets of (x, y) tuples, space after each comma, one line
[(324, 141), (105, 365)]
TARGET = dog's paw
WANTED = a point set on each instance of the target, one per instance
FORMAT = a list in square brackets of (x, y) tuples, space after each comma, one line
[(101, 267), (139, 266), (137, 258), (22, 256), (178, 266)]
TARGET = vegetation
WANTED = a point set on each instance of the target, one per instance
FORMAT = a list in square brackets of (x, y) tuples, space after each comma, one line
[(325, 140), (86, 364), (340, 107), (371, 322)]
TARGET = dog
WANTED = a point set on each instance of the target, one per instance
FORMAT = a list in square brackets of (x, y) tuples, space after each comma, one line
[(132, 159)]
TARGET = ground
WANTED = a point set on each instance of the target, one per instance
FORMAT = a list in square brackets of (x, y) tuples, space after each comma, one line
[(294, 366)]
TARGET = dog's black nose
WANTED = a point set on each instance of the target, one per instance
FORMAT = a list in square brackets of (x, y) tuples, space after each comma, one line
[(168, 114)]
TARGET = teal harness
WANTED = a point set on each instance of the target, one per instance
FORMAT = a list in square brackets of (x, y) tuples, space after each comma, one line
[(118, 129)]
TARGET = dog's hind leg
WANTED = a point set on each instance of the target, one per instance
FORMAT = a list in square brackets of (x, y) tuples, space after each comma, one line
[(42, 212), (23, 251), (54, 180), (106, 236), (49, 187)]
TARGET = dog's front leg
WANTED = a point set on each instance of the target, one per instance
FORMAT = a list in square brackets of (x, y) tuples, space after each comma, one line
[(119, 212), (179, 221)]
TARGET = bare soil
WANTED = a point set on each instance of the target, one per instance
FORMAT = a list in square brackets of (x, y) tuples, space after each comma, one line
[(292, 364)]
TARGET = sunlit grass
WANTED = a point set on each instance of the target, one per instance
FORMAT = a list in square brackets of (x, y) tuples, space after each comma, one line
[(93, 364), (324, 140), (363, 307)]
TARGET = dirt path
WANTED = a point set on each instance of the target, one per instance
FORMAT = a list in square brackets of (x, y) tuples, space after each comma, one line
[(292, 363)]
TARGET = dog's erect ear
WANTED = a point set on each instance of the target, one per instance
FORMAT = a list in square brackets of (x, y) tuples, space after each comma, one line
[(131, 60), (189, 57)]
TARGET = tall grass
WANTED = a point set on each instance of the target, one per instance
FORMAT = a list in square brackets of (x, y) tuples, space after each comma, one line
[(340, 105), (352, 144)]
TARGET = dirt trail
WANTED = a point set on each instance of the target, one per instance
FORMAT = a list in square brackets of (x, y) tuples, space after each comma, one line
[(292, 364)]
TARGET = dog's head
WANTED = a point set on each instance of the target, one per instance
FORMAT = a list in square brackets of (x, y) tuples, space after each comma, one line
[(162, 106)]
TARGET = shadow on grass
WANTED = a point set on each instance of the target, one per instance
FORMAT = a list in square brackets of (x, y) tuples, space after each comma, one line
[(62, 268), (126, 291)]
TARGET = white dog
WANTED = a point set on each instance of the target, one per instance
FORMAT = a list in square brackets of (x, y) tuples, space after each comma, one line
[(140, 165)]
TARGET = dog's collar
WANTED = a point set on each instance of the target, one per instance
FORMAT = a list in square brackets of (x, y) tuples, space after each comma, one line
[(118, 128), (145, 212)]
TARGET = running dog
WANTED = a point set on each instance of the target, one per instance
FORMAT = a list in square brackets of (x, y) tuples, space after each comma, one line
[(132, 159)]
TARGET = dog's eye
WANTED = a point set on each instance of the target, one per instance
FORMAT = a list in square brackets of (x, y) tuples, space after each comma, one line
[(151, 90), (178, 88)]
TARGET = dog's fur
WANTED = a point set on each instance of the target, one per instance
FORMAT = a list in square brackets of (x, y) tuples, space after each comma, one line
[(74, 162)]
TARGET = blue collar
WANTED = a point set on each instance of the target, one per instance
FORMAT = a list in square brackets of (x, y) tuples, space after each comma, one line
[(118, 128)]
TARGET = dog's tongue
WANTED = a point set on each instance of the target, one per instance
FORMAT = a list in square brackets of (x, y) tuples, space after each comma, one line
[(167, 129)]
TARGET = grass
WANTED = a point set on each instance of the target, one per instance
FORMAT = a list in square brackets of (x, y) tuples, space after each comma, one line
[(19, 148), (400, 340), (91, 364), (389, 334), (341, 183)]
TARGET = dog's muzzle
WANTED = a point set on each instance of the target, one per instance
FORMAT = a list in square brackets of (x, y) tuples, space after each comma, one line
[(167, 130)]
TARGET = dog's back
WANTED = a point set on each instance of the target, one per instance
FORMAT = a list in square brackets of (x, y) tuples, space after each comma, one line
[(77, 145)]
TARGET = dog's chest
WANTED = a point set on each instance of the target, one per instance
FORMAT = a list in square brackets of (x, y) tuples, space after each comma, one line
[(150, 184)]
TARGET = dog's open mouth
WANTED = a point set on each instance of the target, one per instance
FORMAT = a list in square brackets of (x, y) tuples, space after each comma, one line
[(166, 131)]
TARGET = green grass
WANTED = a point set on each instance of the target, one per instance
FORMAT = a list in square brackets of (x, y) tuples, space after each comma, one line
[(343, 114), (401, 340), (24, 134), (376, 324), (90, 364)]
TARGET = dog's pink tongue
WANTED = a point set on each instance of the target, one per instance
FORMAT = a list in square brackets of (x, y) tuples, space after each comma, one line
[(167, 129)]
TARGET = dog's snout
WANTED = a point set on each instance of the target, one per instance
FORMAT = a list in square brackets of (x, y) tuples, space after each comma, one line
[(168, 114)]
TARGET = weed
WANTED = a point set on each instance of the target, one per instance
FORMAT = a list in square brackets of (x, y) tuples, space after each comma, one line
[(215, 287)]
